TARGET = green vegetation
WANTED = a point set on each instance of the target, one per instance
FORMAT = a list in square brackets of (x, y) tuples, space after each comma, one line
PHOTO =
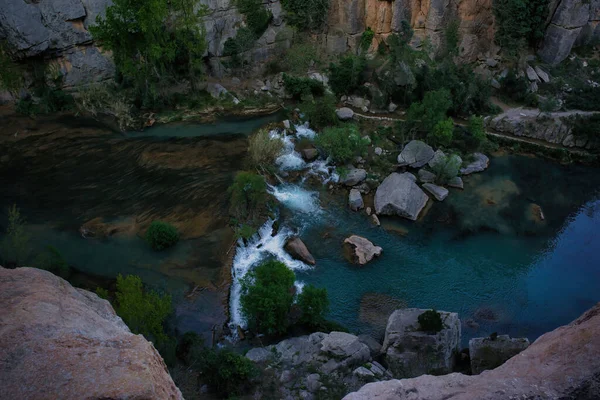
[(52, 260), (431, 321), (424, 116), (47, 92), (320, 112), (161, 235), (347, 74), (452, 37), (144, 311), (516, 88), (298, 58), (366, 40), (314, 304), (243, 41), (306, 14), (584, 98), (15, 244), (248, 196), (341, 143), (161, 42), (442, 133), (228, 373), (106, 99), (445, 168), (519, 23), (477, 130), (263, 149), (257, 16), (300, 88), (267, 297), (11, 75)]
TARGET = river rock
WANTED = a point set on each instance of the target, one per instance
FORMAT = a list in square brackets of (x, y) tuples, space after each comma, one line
[(562, 364), (375, 220), (531, 75), (344, 113), (355, 200), (542, 74), (360, 250), (59, 342), (415, 154), (410, 352), (480, 163), (487, 353), (378, 151), (309, 154), (354, 177), (298, 250), (373, 345), (440, 193), (456, 182), (426, 176), (399, 195)]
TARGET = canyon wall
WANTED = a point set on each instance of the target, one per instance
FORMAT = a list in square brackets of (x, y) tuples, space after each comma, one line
[(58, 342)]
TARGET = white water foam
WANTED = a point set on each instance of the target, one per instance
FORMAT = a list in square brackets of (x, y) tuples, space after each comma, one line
[(296, 198), (290, 159), (304, 131)]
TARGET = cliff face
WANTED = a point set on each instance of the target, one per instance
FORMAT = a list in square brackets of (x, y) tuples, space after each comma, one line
[(58, 342), (562, 364)]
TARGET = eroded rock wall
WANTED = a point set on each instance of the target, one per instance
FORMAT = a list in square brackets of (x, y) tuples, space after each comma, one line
[(58, 342)]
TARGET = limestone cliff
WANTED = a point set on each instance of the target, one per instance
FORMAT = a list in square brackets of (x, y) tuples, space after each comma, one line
[(562, 364), (58, 342)]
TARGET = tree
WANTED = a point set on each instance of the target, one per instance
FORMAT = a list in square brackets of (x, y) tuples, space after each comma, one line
[(144, 311), (15, 244), (161, 235), (226, 372), (267, 296), (446, 167), (428, 113), (341, 143), (519, 22), (248, 194), (346, 75), (442, 133), (153, 40), (476, 129), (314, 304), (306, 14)]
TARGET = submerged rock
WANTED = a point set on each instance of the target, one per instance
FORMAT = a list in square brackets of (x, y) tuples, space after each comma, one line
[(480, 163), (355, 200), (487, 353), (456, 182), (410, 352), (415, 154), (354, 177), (360, 250), (399, 195), (298, 250), (59, 342), (309, 154), (426, 176), (440, 193), (344, 113)]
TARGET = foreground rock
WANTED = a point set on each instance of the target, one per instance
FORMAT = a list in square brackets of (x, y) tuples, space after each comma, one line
[(317, 365), (487, 353), (399, 195), (360, 250), (355, 200), (354, 177), (426, 176), (58, 342), (298, 250), (479, 164), (344, 113), (562, 364), (440, 193), (411, 352), (415, 154)]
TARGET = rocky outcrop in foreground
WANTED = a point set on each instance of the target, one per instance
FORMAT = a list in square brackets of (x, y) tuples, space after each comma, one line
[(562, 364), (58, 342)]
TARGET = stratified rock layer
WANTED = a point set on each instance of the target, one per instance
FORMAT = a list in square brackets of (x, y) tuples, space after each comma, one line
[(58, 342), (562, 364)]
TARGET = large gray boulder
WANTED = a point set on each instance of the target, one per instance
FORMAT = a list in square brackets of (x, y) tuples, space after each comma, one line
[(344, 113), (354, 177), (360, 250), (355, 200), (415, 154), (399, 195), (487, 353), (480, 163), (298, 250), (411, 352)]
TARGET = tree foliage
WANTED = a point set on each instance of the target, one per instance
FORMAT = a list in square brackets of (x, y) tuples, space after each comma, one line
[(264, 149), (161, 235), (347, 74), (152, 41), (431, 321), (267, 296), (320, 112), (341, 143), (442, 132), (228, 373), (314, 304), (427, 114), (248, 195), (519, 23), (257, 16), (306, 14), (446, 167), (299, 87)]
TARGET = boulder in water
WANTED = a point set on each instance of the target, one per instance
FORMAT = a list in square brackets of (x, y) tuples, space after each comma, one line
[(489, 353), (360, 250), (440, 193), (298, 250), (309, 154), (411, 352), (426, 176), (480, 163), (415, 154), (399, 195), (354, 177), (344, 113), (456, 182), (355, 200)]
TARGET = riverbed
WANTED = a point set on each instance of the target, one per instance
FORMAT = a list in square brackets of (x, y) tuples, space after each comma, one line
[(483, 253)]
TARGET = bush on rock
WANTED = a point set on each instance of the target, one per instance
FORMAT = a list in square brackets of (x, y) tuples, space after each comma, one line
[(161, 235), (431, 321)]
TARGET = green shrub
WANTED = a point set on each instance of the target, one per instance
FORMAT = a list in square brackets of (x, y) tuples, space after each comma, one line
[(263, 149), (161, 235), (314, 304), (243, 41), (306, 14), (477, 130), (431, 321), (228, 373), (445, 168), (452, 37), (432, 110), (300, 88), (366, 39), (267, 296), (320, 112), (519, 22), (15, 244), (584, 98), (514, 87), (102, 293), (248, 195), (144, 311), (257, 16), (341, 143), (347, 74), (51, 260), (299, 58), (442, 133)]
